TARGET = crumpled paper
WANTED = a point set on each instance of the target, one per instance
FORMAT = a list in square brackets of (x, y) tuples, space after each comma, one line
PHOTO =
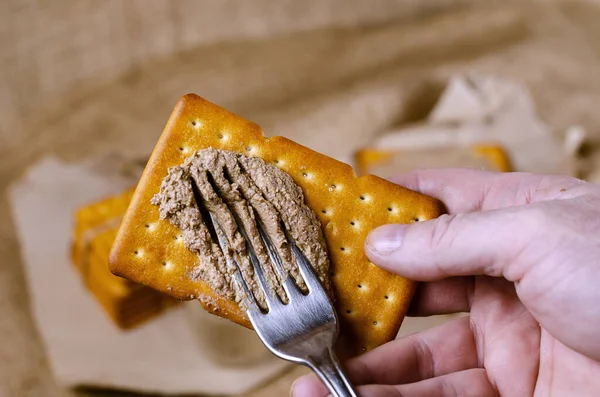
[(480, 109), (84, 348)]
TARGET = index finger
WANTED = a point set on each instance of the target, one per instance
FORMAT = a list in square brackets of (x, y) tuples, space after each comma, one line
[(469, 190)]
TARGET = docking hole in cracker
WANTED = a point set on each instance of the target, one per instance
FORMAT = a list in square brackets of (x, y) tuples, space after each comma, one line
[(210, 161)]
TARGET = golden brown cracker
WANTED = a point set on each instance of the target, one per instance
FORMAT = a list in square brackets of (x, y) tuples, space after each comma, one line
[(127, 304), (368, 157), (371, 302), (373, 160), (495, 154), (94, 218)]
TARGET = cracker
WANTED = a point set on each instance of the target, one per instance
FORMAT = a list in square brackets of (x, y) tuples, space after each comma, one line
[(495, 154), (94, 218), (371, 303), (127, 304), (377, 161)]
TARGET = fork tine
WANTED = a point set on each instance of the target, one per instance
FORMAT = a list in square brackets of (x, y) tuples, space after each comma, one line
[(291, 288), (237, 276), (308, 274), (289, 285), (262, 279), (250, 302), (270, 248), (216, 233)]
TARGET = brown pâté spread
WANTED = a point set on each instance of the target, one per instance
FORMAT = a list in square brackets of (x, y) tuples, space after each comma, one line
[(230, 185)]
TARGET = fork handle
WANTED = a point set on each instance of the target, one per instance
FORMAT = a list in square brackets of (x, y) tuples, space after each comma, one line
[(328, 368)]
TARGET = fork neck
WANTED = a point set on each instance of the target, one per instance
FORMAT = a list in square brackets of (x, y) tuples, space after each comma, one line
[(328, 368)]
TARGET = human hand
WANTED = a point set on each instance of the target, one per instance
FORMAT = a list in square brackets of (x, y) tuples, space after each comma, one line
[(521, 254)]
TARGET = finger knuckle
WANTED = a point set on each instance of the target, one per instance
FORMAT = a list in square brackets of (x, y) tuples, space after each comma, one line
[(440, 235), (425, 362)]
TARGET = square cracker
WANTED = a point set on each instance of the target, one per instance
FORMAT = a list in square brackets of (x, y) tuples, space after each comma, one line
[(126, 303), (371, 302), (379, 161)]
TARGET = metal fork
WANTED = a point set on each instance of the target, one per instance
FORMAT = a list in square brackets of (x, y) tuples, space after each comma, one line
[(305, 329)]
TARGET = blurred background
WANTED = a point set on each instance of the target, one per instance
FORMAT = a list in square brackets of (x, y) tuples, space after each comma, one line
[(385, 85)]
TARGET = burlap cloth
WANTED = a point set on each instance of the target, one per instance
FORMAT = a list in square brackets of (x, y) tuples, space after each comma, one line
[(82, 77)]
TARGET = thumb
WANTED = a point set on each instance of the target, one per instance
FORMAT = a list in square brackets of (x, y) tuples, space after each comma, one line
[(477, 243)]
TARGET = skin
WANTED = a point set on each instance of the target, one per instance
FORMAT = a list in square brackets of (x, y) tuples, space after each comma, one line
[(521, 254)]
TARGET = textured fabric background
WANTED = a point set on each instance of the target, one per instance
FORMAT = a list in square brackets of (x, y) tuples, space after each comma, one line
[(85, 77)]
